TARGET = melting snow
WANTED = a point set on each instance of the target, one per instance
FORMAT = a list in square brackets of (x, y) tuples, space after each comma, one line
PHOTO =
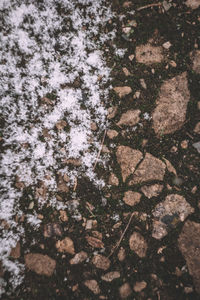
[(43, 51)]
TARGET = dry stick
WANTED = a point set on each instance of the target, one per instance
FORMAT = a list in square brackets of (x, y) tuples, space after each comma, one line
[(100, 148), (149, 5), (122, 236)]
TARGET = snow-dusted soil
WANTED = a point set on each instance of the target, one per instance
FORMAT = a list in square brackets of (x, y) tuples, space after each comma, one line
[(52, 85)]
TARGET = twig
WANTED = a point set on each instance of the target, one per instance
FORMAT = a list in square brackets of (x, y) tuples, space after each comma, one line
[(75, 184), (122, 236), (100, 148), (149, 5)]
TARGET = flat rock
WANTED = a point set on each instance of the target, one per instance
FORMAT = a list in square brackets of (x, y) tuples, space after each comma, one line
[(125, 290), (93, 286), (130, 118), (16, 251), (40, 264), (110, 276), (131, 198), (94, 242), (151, 168), (148, 54), (128, 159), (78, 258), (195, 57), (122, 91), (65, 245), (170, 113), (112, 134), (138, 244), (101, 262), (113, 180), (139, 286), (167, 214), (189, 245), (193, 4), (197, 128), (152, 190)]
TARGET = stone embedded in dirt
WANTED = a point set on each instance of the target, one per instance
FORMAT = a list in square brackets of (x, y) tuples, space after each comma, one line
[(170, 113), (62, 185), (130, 118), (16, 251), (138, 244), (121, 254), (148, 54), (152, 190), (94, 242), (197, 146), (139, 286), (126, 72), (78, 258), (112, 134), (167, 214), (73, 162), (40, 264), (63, 216), (189, 245), (125, 290), (143, 83), (151, 168), (61, 124), (112, 111), (65, 245), (113, 180), (131, 198), (123, 91), (52, 229), (197, 128), (195, 57), (93, 126), (110, 276), (169, 166), (193, 4), (128, 159), (93, 286), (101, 262)]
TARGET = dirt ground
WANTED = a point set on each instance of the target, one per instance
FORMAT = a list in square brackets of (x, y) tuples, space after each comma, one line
[(138, 237)]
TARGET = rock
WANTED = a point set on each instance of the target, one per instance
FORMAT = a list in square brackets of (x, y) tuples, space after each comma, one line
[(197, 128), (113, 180), (112, 134), (131, 57), (138, 244), (167, 214), (170, 113), (123, 91), (63, 216), (126, 71), (143, 83), (148, 54), (136, 95), (61, 124), (16, 252), (152, 190), (93, 286), (193, 4), (94, 242), (169, 166), (131, 198), (125, 290), (93, 126), (121, 254), (195, 56), (52, 229), (197, 146), (189, 245), (110, 276), (101, 262), (167, 45), (112, 111), (184, 144), (62, 185), (151, 168), (65, 245), (128, 159), (130, 118), (40, 264), (79, 258), (139, 286), (173, 63), (166, 5)]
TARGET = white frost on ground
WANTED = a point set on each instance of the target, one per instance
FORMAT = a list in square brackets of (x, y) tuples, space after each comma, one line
[(45, 46)]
